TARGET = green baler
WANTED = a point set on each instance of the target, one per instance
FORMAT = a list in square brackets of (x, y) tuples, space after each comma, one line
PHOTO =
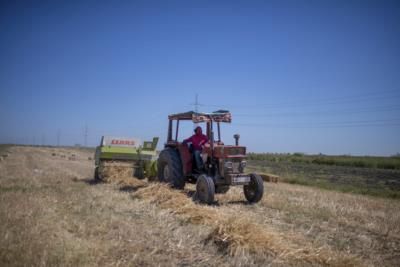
[(136, 158)]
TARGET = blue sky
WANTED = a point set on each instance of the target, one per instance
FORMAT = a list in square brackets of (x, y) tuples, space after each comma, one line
[(298, 76)]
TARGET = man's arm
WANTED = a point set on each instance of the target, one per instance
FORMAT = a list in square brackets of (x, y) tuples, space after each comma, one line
[(204, 140), (187, 140)]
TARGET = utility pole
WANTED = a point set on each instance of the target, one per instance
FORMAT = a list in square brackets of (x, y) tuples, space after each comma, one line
[(58, 137), (196, 106), (43, 139), (86, 134)]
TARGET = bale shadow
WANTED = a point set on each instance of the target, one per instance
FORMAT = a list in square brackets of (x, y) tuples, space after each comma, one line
[(130, 188), (89, 181)]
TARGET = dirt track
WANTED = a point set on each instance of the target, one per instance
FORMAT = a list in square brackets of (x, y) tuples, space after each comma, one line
[(51, 210)]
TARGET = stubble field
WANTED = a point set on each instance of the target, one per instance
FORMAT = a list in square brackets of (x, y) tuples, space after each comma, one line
[(52, 213)]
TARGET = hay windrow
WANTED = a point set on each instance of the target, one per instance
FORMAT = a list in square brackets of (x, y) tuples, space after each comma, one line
[(237, 235)]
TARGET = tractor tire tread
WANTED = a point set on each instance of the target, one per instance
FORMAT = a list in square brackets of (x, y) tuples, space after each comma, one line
[(170, 157), (210, 188)]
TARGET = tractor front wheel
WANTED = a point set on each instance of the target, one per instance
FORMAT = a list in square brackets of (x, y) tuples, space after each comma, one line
[(205, 189), (169, 168), (255, 189)]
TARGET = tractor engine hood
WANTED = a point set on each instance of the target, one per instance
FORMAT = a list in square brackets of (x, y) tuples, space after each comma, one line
[(221, 151)]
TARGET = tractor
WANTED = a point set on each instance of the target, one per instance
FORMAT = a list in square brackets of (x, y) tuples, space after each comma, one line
[(224, 165)]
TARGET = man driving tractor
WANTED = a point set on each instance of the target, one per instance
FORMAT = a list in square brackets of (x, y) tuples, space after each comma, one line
[(224, 165), (198, 141)]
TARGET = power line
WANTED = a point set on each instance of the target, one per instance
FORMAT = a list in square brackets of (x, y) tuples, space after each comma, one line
[(321, 126), (326, 112), (341, 124), (322, 101)]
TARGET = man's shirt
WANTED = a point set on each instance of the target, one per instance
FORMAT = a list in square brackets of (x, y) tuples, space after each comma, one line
[(197, 141)]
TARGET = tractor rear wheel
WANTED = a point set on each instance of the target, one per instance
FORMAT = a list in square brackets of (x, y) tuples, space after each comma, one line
[(169, 168), (205, 189), (255, 189)]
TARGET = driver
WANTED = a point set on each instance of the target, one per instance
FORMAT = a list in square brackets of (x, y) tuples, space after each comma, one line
[(198, 141)]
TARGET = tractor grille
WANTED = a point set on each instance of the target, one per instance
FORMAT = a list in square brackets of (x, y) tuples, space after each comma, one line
[(233, 166), (236, 167), (235, 150)]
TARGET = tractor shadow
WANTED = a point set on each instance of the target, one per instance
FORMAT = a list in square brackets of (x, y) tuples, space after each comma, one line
[(236, 202), (191, 194)]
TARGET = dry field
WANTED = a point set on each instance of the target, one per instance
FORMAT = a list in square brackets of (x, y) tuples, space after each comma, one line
[(53, 214)]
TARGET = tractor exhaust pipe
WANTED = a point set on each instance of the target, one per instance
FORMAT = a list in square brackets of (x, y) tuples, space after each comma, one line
[(236, 136)]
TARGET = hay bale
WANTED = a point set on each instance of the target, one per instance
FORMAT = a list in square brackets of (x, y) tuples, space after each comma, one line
[(271, 178), (116, 172)]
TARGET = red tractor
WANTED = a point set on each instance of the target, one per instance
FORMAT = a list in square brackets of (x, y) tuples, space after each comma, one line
[(223, 164)]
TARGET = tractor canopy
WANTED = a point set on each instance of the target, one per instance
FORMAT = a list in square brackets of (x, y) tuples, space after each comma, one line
[(196, 117)]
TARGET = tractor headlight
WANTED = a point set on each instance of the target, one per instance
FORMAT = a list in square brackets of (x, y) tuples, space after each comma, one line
[(228, 165), (243, 164)]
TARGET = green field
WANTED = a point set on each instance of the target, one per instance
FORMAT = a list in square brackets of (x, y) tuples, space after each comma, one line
[(376, 176), (391, 163)]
